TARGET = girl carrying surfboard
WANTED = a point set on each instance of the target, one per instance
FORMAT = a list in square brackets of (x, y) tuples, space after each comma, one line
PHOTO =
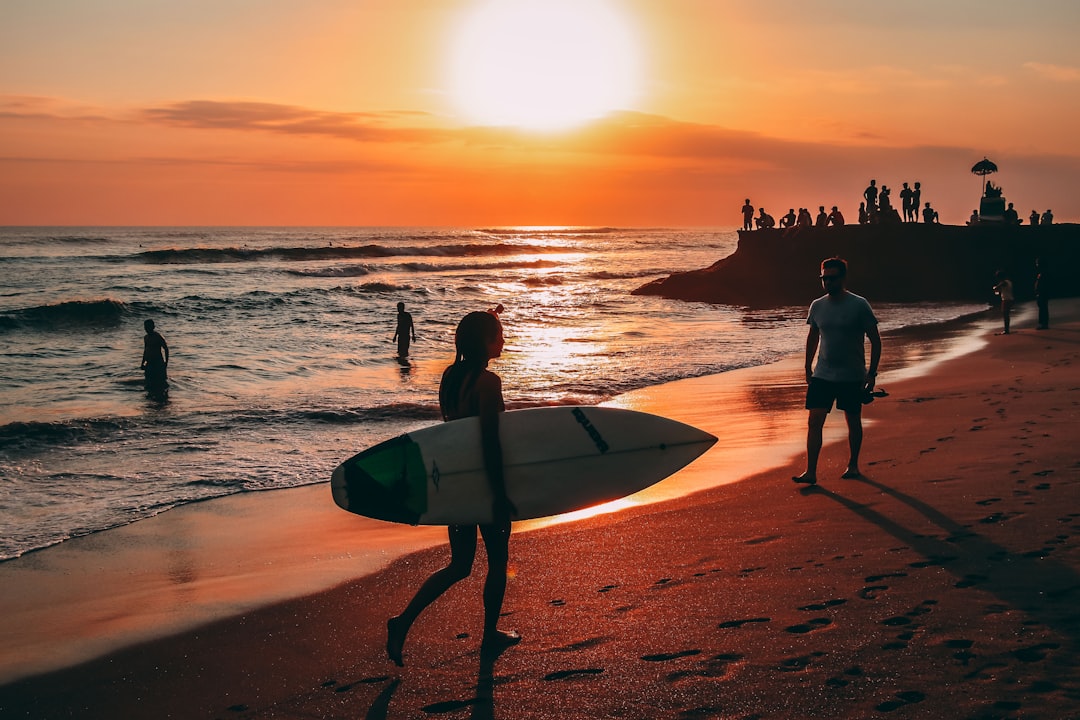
[(469, 389)]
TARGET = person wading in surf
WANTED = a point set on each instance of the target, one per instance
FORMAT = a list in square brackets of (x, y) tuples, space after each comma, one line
[(469, 389)]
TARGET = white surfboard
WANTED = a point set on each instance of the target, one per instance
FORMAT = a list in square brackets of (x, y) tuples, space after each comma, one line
[(556, 460)]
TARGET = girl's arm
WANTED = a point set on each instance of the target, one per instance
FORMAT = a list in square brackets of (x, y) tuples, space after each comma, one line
[(489, 396)]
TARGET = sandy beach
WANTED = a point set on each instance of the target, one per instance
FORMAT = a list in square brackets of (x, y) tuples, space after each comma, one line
[(943, 584)]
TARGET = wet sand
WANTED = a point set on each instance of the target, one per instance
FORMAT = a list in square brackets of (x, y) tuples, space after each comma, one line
[(942, 584)]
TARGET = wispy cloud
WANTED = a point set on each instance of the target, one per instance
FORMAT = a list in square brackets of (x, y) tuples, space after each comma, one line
[(1060, 73), (294, 120)]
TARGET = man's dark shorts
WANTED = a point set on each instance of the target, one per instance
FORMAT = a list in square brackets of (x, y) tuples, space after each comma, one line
[(821, 394)]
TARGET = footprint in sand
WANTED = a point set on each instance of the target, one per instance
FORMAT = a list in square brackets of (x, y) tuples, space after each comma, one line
[(557, 603), (740, 623), (665, 657), (607, 588), (870, 592), (802, 662), (971, 581), (577, 672), (1034, 653), (823, 606), (907, 697), (809, 626), (933, 561), (963, 649), (988, 501), (878, 578)]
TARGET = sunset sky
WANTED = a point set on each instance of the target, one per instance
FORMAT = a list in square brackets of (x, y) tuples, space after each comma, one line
[(503, 112)]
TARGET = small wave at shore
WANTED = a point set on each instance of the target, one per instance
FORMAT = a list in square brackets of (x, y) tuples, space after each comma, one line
[(294, 253)]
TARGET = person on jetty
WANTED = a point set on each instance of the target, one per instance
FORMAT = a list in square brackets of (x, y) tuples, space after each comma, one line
[(929, 214), (155, 360), (1034, 218), (974, 219), (1011, 217), (871, 194), (864, 217), (788, 220), (804, 220), (747, 215), (836, 218), (906, 196), (916, 199), (822, 219), (838, 321), (1047, 218), (1003, 288), (764, 220), (469, 389), (405, 331)]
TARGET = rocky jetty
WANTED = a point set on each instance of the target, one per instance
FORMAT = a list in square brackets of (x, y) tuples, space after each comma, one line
[(909, 262)]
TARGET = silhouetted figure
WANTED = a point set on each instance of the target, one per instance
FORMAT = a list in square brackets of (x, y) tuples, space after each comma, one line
[(747, 215), (838, 320), (788, 220), (836, 218), (974, 219), (1047, 218), (906, 196), (929, 214), (1011, 217), (155, 361), (992, 191), (885, 200), (804, 220), (1034, 218), (1004, 289), (864, 217), (405, 331), (1042, 295), (469, 389), (871, 194), (764, 220), (822, 218), (916, 201)]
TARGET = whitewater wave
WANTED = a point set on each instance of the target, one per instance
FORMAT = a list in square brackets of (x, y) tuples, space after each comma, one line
[(63, 315)]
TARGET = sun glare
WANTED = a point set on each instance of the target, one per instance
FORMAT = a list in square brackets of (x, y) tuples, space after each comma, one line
[(543, 64)]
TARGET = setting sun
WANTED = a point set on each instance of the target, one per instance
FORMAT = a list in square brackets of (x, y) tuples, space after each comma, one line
[(543, 64)]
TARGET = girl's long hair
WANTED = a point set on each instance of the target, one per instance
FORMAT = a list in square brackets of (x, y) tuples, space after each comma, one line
[(475, 331)]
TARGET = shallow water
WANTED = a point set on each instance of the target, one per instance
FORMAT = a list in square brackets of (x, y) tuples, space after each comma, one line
[(281, 360)]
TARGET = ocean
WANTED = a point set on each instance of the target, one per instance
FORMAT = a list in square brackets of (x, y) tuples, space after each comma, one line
[(282, 363)]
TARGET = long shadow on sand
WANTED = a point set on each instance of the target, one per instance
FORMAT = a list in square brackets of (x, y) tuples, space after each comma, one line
[(1027, 581)]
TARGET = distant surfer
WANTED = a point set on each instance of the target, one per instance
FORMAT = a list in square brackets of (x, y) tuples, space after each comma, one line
[(405, 331), (155, 360), (469, 389), (838, 320)]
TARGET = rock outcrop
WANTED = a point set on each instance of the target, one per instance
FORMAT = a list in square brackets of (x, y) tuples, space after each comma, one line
[(887, 263)]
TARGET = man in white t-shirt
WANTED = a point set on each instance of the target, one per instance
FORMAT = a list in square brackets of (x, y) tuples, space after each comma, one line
[(839, 321)]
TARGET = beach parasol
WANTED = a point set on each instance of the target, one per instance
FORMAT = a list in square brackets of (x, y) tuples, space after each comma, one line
[(984, 167)]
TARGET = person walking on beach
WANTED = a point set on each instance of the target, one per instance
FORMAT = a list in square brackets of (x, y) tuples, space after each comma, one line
[(469, 389), (838, 320), (405, 330), (1004, 289), (155, 360), (747, 215), (1042, 296)]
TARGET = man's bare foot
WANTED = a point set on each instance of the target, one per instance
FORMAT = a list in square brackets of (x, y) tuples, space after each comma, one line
[(806, 478)]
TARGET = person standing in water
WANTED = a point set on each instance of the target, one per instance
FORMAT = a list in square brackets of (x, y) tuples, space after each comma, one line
[(469, 389), (405, 331), (155, 360), (1003, 288), (838, 320)]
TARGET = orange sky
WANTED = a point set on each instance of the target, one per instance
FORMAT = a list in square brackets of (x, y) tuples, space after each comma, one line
[(346, 113)]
